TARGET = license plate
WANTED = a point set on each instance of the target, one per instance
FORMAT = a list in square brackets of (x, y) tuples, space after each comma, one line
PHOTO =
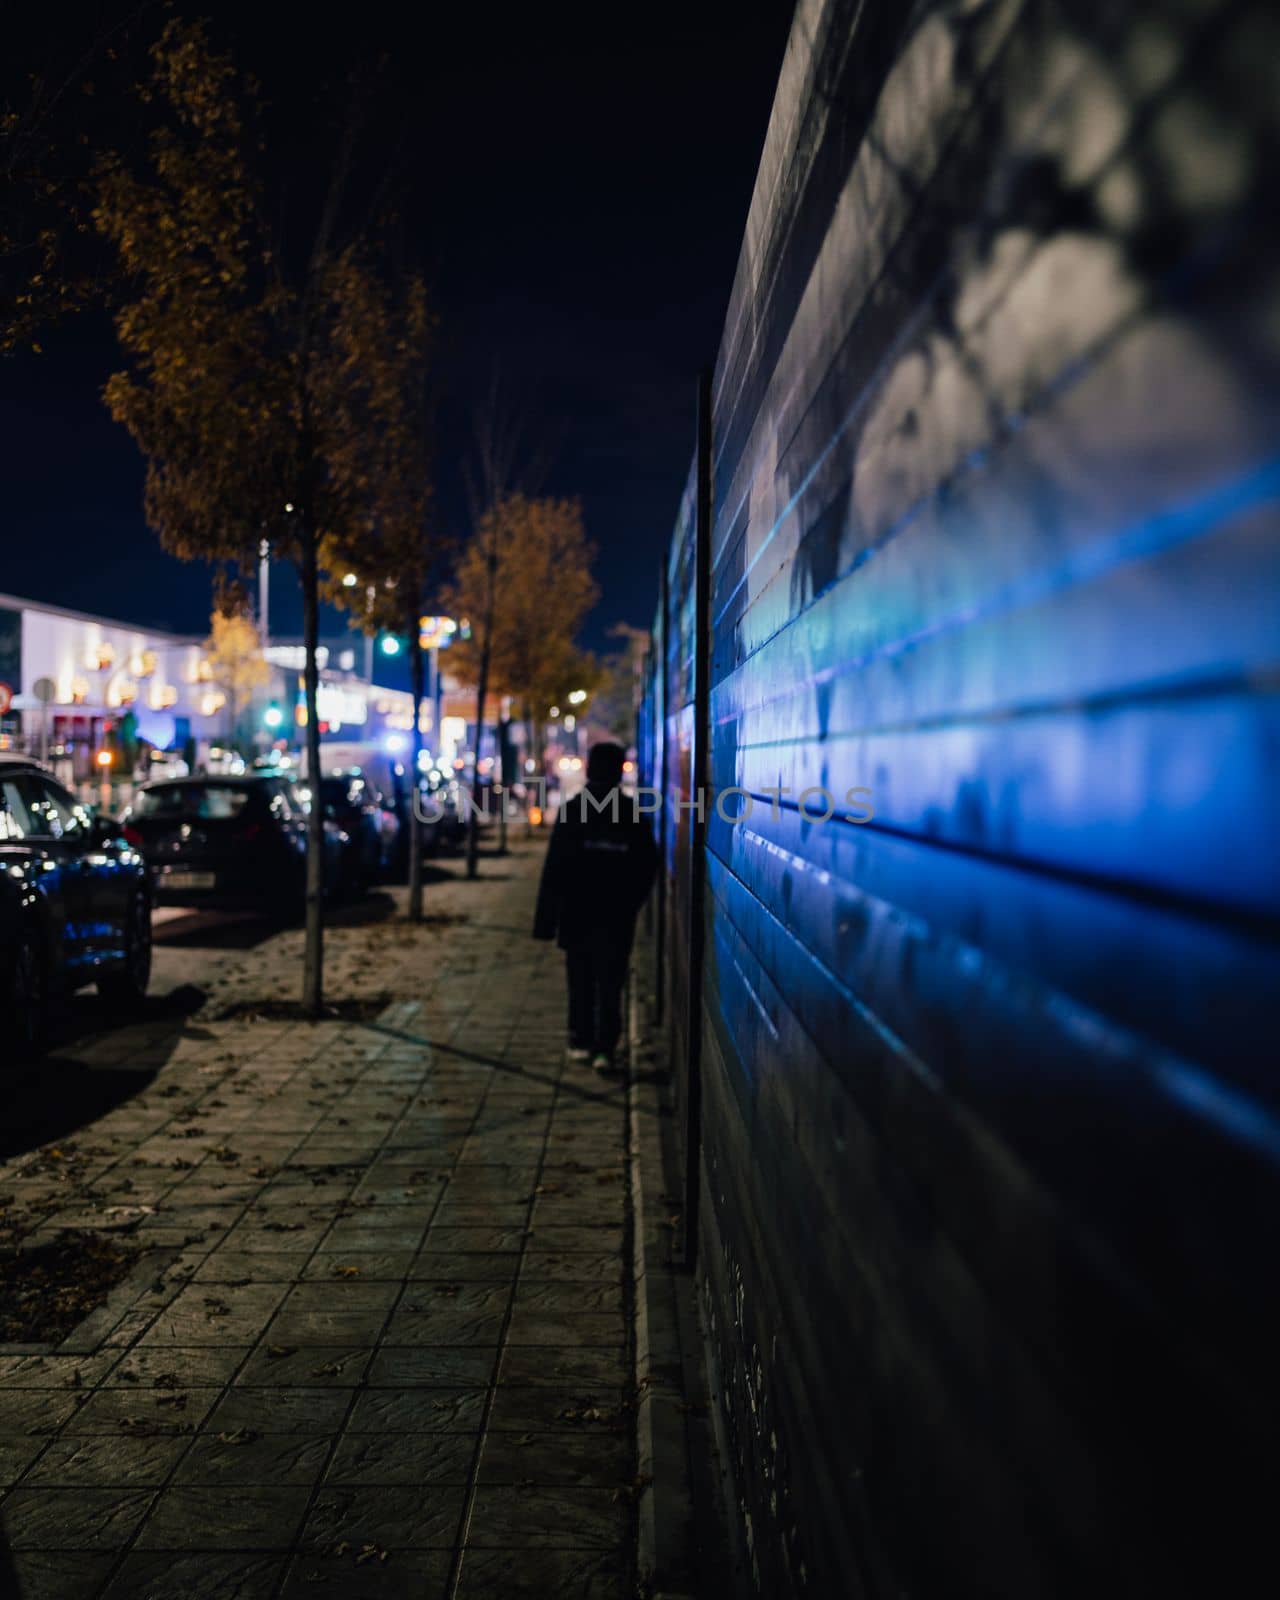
[(178, 879)]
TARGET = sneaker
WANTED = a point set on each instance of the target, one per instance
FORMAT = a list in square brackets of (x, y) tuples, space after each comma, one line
[(577, 1053), (602, 1062)]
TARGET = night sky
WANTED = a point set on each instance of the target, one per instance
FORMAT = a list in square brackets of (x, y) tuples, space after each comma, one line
[(576, 188)]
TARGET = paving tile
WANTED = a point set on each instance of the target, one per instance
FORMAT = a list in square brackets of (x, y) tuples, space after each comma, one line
[(403, 1458), (434, 1295), (432, 1366), (109, 1460), (17, 1452), (503, 1241), (212, 1193), (302, 1327), (254, 1266), (195, 1328), (54, 1372), (499, 1212), (306, 1411), (569, 1519), (565, 1330), (593, 1241), (403, 1575), (345, 1294), (252, 1237), (73, 1519), (421, 1322), (245, 1457), (579, 1267), (370, 1266), (135, 1411), (549, 1364), (36, 1411), (404, 1175), (556, 1459), (202, 1575), (492, 1183), (417, 1410), (218, 1301), (289, 1366), (178, 1366), (542, 1575), (59, 1574), (224, 1518), (534, 1408), (379, 1234), (408, 1518), (562, 1297), (465, 1267)]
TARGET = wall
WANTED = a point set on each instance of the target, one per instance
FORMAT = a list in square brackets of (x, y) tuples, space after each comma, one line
[(989, 1140)]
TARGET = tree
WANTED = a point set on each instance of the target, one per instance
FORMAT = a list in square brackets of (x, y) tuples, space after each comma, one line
[(51, 114), (381, 575), (526, 574), (501, 468), (250, 377), (615, 693), (236, 663)]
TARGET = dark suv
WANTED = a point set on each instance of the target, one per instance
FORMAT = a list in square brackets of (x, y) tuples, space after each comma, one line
[(233, 843), (75, 905)]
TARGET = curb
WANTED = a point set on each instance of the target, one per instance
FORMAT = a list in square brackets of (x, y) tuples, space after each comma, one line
[(665, 1532)]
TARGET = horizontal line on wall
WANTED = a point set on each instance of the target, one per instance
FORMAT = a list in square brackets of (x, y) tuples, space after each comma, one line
[(1254, 924), (1257, 681)]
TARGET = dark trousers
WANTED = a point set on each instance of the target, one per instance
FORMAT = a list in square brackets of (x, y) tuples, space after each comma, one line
[(597, 973)]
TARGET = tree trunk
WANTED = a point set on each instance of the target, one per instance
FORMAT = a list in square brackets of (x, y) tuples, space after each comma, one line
[(415, 794), (504, 782), (535, 755), (313, 962), (473, 821), (482, 690)]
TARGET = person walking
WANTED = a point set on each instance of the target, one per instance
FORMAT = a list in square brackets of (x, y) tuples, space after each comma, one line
[(600, 866)]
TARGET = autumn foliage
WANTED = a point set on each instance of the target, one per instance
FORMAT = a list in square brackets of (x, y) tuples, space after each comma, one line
[(542, 589), (233, 651), (265, 396)]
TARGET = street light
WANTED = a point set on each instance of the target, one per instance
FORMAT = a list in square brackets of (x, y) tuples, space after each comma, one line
[(264, 580), (349, 581), (577, 697), (390, 645)]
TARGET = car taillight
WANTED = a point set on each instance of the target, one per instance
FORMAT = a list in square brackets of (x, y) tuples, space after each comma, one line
[(131, 834)]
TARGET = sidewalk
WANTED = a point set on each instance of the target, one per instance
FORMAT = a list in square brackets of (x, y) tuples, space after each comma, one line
[(380, 1343)]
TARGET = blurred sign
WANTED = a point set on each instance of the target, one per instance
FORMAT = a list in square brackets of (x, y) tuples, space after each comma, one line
[(339, 706), (45, 691), (6, 698), (435, 633)]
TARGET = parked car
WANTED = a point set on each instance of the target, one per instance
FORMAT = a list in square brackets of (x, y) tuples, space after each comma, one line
[(154, 766), (234, 843), (444, 810), (371, 826), (75, 904)]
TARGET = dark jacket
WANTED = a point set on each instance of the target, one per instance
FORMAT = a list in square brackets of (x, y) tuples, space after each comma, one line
[(600, 866)]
